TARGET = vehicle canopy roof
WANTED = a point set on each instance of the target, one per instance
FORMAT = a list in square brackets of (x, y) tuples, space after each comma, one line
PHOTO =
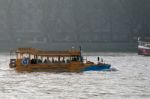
[(34, 51)]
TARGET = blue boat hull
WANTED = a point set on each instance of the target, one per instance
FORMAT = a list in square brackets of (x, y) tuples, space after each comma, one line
[(98, 67)]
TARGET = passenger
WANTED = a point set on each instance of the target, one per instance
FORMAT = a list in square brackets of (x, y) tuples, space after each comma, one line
[(98, 59), (68, 61), (48, 61), (39, 61), (58, 59), (72, 59), (53, 60), (63, 61), (32, 61), (45, 61)]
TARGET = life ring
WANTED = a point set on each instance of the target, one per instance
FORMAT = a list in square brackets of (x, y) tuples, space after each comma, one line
[(25, 61)]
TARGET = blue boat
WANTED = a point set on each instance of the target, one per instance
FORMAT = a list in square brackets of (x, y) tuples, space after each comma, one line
[(98, 67)]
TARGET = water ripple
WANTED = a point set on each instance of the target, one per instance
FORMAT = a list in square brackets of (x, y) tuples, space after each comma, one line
[(130, 81)]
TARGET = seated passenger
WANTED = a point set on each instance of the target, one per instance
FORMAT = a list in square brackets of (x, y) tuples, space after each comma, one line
[(53, 60), (39, 61), (63, 61), (48, 61), (32, 61), (68, 61), (45, 61)]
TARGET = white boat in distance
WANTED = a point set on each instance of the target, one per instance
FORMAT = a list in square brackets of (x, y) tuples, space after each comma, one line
[(144, 46)]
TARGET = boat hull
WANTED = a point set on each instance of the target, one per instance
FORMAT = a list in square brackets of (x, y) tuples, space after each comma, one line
[(71, 67), (144, 50), (102, 67)]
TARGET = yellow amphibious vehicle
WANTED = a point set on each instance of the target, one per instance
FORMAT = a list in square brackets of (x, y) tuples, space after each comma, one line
[(30, 60)]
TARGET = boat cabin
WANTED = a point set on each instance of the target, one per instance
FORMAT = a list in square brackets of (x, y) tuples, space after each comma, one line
[(35, 56)]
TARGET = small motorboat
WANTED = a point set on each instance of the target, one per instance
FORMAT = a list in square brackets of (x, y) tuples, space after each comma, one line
[(144, 46)]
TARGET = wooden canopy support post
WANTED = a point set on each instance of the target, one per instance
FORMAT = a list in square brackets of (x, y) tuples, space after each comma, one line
[(36, 58), (29, 56), (58, 58), (17, 56)]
